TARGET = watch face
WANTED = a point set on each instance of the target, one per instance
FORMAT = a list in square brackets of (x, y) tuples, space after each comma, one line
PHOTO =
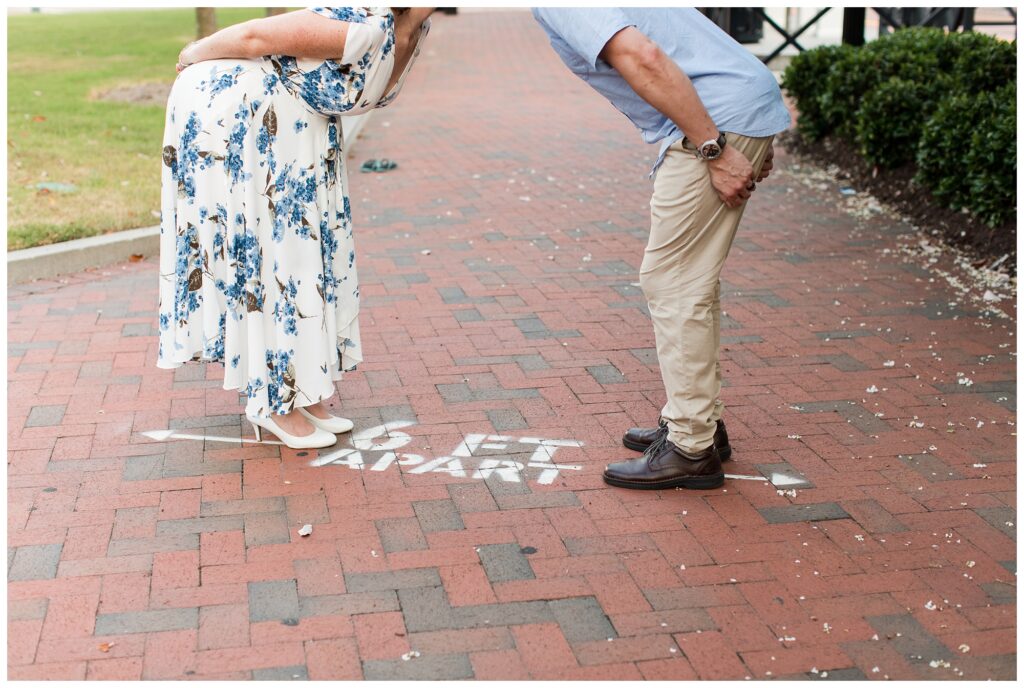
[(710, 150)]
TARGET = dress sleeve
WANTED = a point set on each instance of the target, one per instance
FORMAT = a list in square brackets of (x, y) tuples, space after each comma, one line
[(386, 99), (348, 14), (585, 31), (357, 39)]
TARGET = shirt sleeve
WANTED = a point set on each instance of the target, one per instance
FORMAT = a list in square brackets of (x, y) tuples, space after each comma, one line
[(585, 31)]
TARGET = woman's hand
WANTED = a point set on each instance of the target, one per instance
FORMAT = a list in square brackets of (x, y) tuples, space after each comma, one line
[(186, 57)]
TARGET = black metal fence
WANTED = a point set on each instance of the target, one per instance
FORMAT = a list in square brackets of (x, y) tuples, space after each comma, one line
[(746, 24)]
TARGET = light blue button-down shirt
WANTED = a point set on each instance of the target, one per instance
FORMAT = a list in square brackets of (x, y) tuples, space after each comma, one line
[(738, 91)]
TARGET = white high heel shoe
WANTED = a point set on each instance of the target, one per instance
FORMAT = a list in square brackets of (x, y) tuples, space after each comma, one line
[(315, 440), (334, 424)]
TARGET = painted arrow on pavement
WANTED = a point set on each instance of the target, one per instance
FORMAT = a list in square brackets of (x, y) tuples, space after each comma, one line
[(164, 435)]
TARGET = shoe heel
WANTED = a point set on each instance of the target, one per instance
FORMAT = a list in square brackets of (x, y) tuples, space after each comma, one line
[(635, 446), (709, 482), (258, 430)]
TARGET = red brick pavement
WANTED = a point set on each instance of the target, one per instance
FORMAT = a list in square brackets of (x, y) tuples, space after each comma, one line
[(131, 557)]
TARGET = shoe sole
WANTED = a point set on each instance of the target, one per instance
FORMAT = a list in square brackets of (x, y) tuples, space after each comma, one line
[(723, 454), (703, 482)]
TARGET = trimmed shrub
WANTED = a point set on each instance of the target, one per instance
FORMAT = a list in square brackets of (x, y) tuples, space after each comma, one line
[(967, 155), (920, 42), (945, 138), (913, 55), (984, 63), (946, 101), (849, 80), (803, 79), (891, 117), (992, 163)]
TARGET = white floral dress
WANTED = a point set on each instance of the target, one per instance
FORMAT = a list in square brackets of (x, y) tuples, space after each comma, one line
[(257, 261)]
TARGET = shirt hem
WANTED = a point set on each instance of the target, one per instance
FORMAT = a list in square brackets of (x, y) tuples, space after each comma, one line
[(667, 141)]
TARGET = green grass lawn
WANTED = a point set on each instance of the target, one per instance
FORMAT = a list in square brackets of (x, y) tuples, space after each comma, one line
[(59, 132)]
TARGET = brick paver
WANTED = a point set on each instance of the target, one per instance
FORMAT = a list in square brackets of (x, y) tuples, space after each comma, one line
[(467, 533)]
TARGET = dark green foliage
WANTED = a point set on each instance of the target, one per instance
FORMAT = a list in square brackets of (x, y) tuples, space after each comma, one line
[(945, 139), (849, 80), (947, 101), (984, 63), (992, 162), (920, 44), (803, 80), (891, 116), (968, 153)]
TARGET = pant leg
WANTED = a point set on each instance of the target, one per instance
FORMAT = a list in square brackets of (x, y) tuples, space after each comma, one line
[(691, 233), (716, 315)]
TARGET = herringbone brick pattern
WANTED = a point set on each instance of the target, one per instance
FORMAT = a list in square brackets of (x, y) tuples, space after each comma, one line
[(507, 349)]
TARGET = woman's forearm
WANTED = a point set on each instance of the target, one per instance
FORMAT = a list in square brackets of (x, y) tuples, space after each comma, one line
[(299, 34), (239, 40)]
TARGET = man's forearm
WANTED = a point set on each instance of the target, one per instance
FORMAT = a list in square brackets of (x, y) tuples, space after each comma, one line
[(659, 81)]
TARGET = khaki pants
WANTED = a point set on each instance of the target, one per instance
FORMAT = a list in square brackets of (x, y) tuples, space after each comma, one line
[(691, 233)]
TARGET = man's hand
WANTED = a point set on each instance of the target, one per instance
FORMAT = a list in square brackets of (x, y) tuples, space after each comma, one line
[(732, 177), (768, 165)]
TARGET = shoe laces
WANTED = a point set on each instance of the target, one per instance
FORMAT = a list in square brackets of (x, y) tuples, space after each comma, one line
[(656, 448)]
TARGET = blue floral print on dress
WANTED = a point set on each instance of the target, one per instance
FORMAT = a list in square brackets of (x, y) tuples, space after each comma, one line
[(222, 82), (257, 260)]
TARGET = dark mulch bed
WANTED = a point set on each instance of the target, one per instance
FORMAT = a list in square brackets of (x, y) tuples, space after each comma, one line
[(897, 189)]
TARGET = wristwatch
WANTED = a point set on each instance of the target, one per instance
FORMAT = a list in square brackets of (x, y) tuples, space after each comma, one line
[(712, 148)]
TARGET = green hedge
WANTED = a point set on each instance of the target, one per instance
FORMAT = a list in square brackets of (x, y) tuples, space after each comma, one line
[(968, 153), (944, 101), (891, 117), (804, 80)]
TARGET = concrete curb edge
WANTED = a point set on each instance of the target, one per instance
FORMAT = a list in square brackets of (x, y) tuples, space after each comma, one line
[(51, 260)]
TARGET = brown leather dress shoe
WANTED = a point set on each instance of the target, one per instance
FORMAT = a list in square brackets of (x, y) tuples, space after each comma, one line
[(665, 465), (638, 439)]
